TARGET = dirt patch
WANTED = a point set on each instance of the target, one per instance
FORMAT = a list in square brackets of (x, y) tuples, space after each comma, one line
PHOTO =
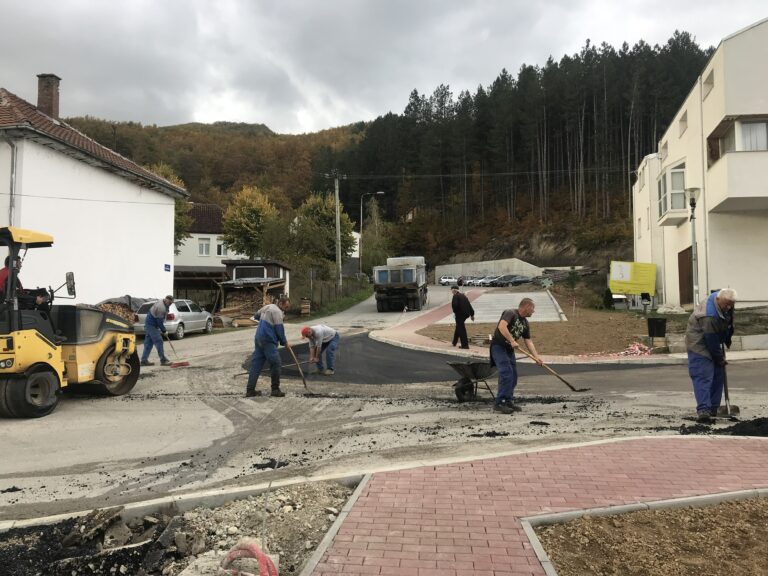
[(290, 522), (755, 427), (725, 539), (589, 332)]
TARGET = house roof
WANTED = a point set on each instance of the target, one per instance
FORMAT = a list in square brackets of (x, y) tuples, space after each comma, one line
[(256, 262), (20, 119), (207, 219)]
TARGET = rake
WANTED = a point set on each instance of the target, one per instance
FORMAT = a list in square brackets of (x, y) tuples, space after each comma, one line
[(563, 380)]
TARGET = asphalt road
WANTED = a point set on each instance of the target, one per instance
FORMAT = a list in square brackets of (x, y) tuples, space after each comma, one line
[(191, 428)]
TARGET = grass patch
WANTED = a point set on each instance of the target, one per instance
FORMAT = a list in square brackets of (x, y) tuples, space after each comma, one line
[(337, 306)]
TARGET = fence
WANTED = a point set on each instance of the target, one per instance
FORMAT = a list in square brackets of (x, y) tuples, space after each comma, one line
[(323, 292)]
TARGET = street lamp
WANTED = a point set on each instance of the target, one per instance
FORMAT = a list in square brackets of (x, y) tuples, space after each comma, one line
[(360, 242), (693, 195)]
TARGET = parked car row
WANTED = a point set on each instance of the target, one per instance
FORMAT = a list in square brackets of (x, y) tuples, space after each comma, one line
[(485, 281), (183, 317)]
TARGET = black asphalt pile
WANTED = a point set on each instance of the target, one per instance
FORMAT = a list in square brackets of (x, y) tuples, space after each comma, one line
[(754, 427), (99, 543)]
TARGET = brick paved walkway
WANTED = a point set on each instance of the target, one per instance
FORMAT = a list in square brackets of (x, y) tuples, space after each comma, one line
[(462, 519)]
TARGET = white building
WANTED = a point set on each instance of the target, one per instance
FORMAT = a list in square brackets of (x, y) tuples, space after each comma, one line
[(716, 152), (111, 220), (205, 247)]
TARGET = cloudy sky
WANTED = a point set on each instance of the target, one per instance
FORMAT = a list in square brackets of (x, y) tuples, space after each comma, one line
[(300, 66)]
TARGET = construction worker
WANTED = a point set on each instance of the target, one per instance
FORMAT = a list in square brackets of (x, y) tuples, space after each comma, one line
[(322, 338), (154, 329), (462, 309), (269, 335), (512, 325), (710, 327)]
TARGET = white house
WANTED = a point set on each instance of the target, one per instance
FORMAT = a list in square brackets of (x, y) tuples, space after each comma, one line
[(112, 221), (205, 247), (714, 153)]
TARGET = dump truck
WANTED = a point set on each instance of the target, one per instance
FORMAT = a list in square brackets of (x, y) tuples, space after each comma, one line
[(401, 284), (45, 349)]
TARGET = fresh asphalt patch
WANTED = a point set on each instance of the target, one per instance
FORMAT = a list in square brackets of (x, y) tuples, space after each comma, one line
[(362, 360)]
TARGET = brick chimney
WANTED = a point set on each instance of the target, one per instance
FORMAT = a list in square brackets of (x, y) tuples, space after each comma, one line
[(48, 94)]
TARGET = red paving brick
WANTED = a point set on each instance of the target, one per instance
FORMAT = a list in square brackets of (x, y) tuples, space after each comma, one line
[(464, 519)]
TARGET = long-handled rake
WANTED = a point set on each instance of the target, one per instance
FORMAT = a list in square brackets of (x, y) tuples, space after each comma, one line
[(178, 363), (729, 410), (563, 380)]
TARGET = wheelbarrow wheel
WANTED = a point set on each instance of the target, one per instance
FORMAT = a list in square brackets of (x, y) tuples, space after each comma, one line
[(465, 390)]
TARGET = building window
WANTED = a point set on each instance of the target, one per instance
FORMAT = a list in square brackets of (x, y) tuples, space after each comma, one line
[(683, 123), (754, 136), (221, 249), (639, 228), (709, 83), (677, 187), (641, 177), (671, 190), (203, 246), (648, 218), (664, 151)]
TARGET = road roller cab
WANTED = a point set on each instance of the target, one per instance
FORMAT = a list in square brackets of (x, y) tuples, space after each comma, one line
[(45, 348)]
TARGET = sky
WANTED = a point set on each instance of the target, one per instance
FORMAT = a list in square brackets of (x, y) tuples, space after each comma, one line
[(303, 66)]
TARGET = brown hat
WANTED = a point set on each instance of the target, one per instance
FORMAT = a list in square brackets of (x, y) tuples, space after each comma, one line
[(454, 287)]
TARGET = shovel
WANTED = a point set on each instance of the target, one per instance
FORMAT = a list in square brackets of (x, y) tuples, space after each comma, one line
[(563, 380), (728, 411)]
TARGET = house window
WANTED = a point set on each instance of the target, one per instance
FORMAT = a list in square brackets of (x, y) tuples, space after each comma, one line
[(641, 177), (728, 142), (203, 246), (639, 228), (677, 187), (221, 249), (671, 190), (709, 83), (683, 123), (754, 136)]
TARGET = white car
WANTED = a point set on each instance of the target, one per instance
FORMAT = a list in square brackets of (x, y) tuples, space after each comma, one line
[(184, 316), (448, 280)]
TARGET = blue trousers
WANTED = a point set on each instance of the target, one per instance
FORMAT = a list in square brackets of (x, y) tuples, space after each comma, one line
[(707, 378), (264, 351), (330, 352), (504, 358), (152, 337)]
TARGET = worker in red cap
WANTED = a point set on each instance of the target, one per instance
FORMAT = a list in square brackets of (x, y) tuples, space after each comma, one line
[(322, 338)]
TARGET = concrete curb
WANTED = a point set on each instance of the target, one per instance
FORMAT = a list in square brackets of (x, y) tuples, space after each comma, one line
[(325, 543), (529, 523), (559, 310)]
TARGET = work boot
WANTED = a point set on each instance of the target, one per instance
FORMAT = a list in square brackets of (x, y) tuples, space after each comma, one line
[(165, 362), (503, 408), (703, 417), (147, 363), (277, 393), (328, 372), (252, 393)]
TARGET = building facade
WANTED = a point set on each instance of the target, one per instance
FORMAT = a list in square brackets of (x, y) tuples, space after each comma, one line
[(712, 164), (112, 221)]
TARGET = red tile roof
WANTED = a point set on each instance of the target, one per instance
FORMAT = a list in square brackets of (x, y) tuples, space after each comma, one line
[(20, 119), (206, 218)]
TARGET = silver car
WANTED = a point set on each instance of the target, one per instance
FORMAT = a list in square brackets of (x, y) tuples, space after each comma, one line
[(183, 316)]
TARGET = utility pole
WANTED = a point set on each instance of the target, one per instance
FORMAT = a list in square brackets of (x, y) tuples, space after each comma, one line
[(336, 176)]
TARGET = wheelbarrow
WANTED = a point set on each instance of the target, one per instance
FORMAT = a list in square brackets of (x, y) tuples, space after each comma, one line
[(471, 374)]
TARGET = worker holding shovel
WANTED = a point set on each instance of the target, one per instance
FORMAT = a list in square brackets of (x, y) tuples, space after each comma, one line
[(269, 335), (512, 326), (709, 327)]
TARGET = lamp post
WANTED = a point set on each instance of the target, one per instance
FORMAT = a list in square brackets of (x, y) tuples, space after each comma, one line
[(360, 242), (693, 196)]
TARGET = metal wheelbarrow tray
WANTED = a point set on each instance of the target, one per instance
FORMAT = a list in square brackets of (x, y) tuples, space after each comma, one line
[(471, 374)]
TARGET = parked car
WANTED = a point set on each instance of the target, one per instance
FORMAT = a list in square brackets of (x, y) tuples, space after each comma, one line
[(448, 280), (502, 280), (511, 280), (487, 280), (183, 316), (474, 280)]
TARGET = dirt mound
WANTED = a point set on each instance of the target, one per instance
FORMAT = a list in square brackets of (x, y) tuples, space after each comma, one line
[(754, 427)]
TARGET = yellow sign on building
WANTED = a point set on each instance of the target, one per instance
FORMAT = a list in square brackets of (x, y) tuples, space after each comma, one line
[(632, 278)]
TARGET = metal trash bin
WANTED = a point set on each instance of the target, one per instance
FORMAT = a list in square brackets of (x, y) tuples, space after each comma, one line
[(657, 327)]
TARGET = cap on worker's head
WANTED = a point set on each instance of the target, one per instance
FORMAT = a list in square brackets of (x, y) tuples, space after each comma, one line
[(454, 287), (169, 298), (306, 331)]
